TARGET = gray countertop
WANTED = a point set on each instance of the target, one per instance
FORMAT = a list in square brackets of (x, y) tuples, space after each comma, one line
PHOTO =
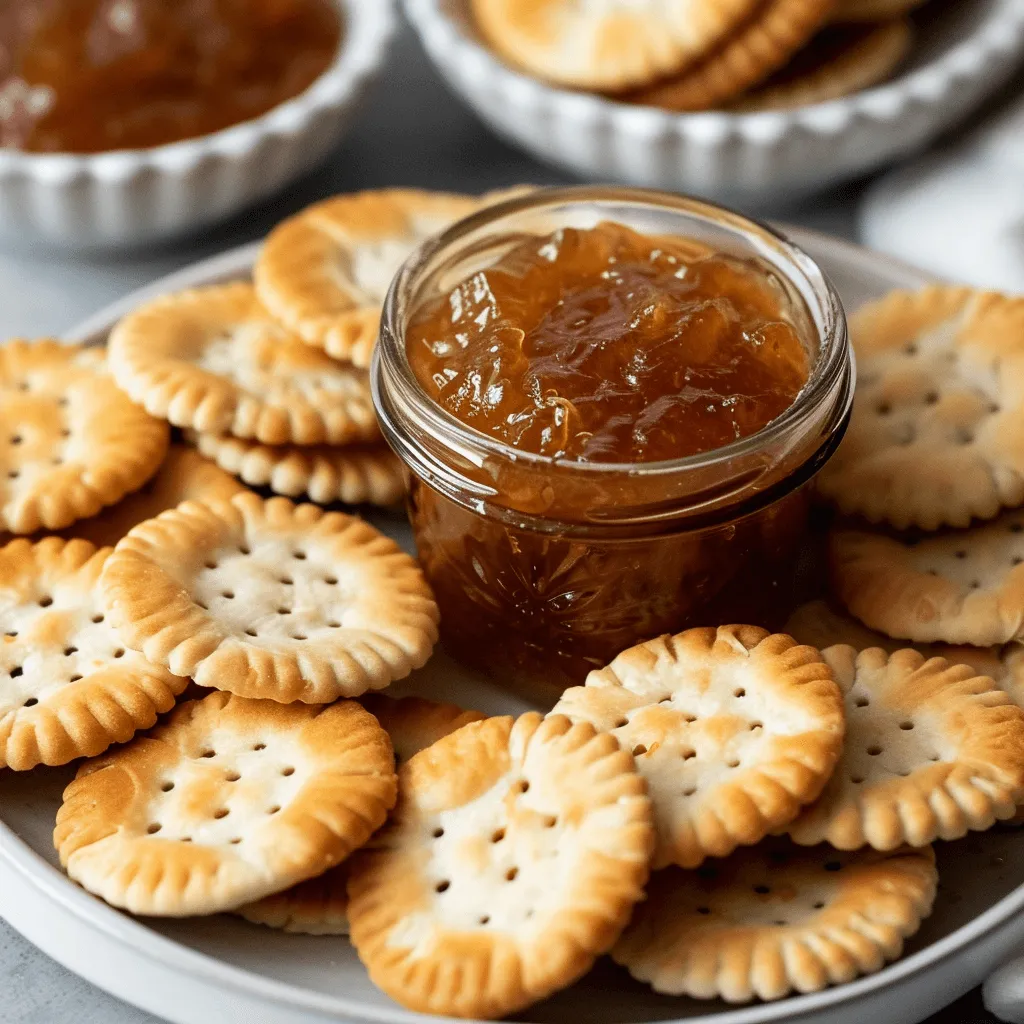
[(411, 132)]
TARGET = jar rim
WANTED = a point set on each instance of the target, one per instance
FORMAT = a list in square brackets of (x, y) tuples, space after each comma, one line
[(834, 356)]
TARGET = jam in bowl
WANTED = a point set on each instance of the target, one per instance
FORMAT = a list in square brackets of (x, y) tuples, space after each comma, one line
[(610, 403)]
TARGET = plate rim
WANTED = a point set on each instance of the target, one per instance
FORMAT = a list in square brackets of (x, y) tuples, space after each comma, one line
[(167, 954)]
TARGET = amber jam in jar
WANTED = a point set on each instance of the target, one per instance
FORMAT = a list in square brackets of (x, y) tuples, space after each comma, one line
[(607, 345), (86, 76), (610, 402)]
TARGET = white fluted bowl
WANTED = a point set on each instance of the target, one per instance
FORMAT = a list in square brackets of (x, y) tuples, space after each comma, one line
[(134, 197), (965, 51)]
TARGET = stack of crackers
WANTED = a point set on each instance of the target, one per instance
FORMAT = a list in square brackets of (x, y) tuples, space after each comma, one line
[(730, 813), (687, 55)]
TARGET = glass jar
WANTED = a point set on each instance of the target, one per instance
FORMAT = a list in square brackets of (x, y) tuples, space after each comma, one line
[(545, 569)]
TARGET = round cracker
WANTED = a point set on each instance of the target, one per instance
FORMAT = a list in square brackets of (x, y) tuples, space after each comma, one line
[(840, 60), (819, 624), (68, 686), (270, 599), (355, 474), (958, 586), (182, 476), (215, 360), (932, 751), (777, 919), (937, 432), (320, 906), (71, 441), (854, 11), (228, 801), (324, 273), (513, 859), (733, 729), (609, 46), (763, 44)]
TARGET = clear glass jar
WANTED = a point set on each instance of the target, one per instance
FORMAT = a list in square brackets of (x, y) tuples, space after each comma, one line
[(544, 570)]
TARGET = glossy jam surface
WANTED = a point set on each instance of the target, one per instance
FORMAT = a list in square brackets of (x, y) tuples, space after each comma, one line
[(606, 345), (86, 76)]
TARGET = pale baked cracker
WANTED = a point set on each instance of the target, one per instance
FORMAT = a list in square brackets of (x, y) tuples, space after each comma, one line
[(819, 624), (319, 906), (68, 686), (513, 859), (937, 432), (183, 476), (760, 46), (270, 599), (606, 44), (226, 802), (932, 751), (776, 919), (215, 360), (353, 474), (957, 586), (853, 11), (71, 441), (733, 729), (324, 273), (838, 61)]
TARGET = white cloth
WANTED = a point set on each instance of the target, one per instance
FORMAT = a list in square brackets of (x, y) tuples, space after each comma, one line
[(958, 212)]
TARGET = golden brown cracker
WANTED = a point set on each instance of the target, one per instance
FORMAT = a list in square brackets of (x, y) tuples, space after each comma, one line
[(71, 442), (932, 750), (68, 685), (513, 859), (270, 599), (214, 359), (777, 919), (226, 802), (937, 432), (733, 729)]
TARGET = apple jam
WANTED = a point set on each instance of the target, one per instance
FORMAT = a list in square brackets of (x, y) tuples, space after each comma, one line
[(86, 76), (609, 431)]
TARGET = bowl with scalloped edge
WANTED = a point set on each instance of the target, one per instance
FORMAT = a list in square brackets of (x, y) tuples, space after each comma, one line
[(962, 53), (138, 196)]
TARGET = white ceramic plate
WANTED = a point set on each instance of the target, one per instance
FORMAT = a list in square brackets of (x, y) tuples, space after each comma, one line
[(965, 50), (224, 971)]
